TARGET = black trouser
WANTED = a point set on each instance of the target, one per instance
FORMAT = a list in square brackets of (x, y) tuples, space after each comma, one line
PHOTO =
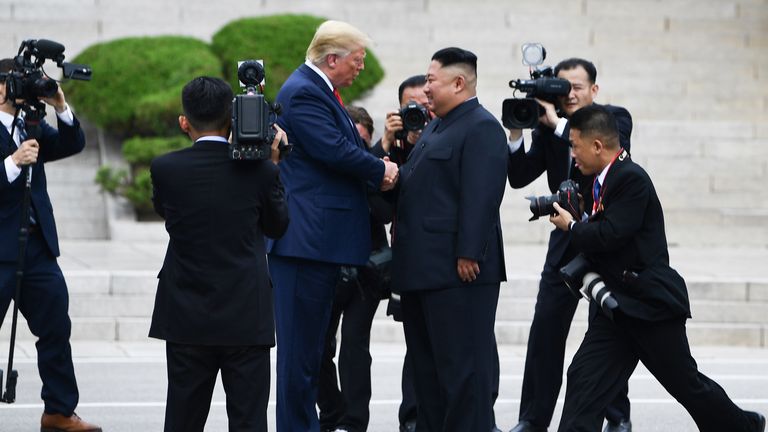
[(192, 371), (44, 303), (608, 356), (347, 407), (450, 337), (543, 376)]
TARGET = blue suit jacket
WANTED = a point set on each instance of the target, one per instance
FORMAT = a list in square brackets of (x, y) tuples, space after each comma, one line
[(54, 145), (325, 175)]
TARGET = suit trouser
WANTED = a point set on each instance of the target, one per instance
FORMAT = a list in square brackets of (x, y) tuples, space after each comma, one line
[(348, 408), (304, 291), (608, 356), (44, 304), (449, 333), (543, 375), (192, 371)]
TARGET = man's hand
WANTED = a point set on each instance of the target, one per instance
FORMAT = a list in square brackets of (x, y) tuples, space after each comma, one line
[(279, 136), (549, 118), (26, 154), (391, 172), (468, 269), (57, 101), (562, 219), (393, 124)]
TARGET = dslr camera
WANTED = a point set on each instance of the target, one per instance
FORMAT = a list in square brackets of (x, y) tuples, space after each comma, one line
[(253, 117), (524, 113), (582, 282), (414, 117), (27, 82), (567, 197)]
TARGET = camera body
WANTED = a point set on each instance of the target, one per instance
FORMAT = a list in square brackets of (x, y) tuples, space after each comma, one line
[(253, 117), (414, 117), (583, 282), (567, 197), (524, 113)]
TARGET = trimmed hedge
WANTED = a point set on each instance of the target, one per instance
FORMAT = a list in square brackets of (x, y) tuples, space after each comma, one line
[(137, 82), (281, 41)]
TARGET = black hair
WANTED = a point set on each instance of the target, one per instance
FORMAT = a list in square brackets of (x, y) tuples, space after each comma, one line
[(575, 62), (207, 103), (451, 56), (360, 115), (414, 81), (596, 120), (6, 65)]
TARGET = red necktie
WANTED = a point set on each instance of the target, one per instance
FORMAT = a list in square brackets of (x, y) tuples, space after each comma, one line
[(338, 96)]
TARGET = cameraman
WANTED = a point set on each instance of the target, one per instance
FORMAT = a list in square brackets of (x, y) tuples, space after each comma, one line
[(555, 306), (44, 297), (624, 239), (214, 298), (358, 293)]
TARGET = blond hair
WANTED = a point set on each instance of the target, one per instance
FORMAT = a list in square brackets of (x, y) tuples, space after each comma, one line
[(335, 37)]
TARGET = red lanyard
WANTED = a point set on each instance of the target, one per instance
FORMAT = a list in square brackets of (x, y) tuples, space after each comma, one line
[(597, 203)]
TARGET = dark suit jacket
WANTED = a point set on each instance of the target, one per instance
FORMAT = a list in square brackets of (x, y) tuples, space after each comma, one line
[(214, 287), (325, 175), (551, 153), (629, 235), (448, 204), (54, 145)]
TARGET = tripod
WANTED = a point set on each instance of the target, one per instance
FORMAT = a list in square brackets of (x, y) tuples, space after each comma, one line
[(33, 115)]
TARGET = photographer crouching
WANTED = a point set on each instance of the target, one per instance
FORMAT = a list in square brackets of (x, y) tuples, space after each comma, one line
[(44, 299), (625, 241)]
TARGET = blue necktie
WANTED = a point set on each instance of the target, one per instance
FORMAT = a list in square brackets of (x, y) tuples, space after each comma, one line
[(596, 191)]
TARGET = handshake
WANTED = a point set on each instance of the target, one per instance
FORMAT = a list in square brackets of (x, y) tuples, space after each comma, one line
[(391, 173)]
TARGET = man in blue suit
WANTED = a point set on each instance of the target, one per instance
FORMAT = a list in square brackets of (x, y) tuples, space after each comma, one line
[(44, 298), (448, 253), (325, 178)]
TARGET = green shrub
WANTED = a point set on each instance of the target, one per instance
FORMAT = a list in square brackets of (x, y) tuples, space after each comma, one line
[(281, 41), (141, 150), (137, 82)]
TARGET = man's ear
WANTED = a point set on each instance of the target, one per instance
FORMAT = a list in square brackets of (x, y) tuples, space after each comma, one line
[(460, 83), (184, 124)]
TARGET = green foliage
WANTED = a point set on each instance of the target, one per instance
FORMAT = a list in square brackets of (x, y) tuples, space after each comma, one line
[(140, 151), (110, 179), (139, 192), (281, 41), (137, 82)]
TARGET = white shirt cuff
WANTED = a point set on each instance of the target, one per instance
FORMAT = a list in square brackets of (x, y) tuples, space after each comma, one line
[(11, 170), (66, 116), (514, 145), (560, 128)]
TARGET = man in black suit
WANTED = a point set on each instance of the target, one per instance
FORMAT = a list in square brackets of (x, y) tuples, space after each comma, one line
[(448, 250), (555, 306), (44, 298), (214, 297), (625, 243)]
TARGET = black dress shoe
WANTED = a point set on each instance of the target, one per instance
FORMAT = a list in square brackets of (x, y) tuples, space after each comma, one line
[(759, 421), (622, 426), (526, 426)]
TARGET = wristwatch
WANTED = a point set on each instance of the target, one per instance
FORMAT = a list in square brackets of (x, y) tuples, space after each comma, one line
[(571, 224)]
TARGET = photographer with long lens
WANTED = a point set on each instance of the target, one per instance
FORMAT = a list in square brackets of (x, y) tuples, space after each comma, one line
[(44, 299), (213, 305), (625, 242), (555, 306)]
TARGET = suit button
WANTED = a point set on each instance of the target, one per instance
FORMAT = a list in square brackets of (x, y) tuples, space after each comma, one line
[(422, 145)]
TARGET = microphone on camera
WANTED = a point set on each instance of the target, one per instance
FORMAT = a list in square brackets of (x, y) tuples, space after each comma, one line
[(47, 49)]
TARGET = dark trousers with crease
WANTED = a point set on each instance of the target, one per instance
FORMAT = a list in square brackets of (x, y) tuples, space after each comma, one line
[(347, 408), (449, 333), (608, 356), (543, 375), (192, 371), (44, 303)]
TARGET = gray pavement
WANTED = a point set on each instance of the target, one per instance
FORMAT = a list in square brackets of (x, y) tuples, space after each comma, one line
[(122, 384)]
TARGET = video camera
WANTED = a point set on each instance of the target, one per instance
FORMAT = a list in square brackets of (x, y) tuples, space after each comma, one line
[(567, 197), (524, 113), (27, 82), (253, 117), (582, 282), (414, 117)]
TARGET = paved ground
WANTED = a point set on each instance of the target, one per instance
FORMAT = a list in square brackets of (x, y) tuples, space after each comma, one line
[(122, 387)]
